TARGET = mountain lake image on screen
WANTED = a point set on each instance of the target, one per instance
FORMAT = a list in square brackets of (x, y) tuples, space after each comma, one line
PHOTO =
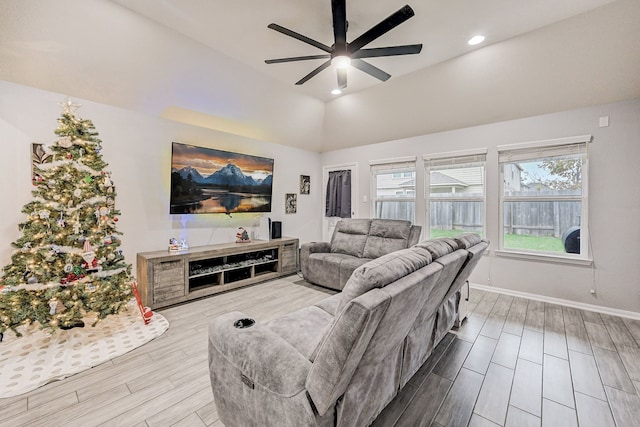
[(207, 180)]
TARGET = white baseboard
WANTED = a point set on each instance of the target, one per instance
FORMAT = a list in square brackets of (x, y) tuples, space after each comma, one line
[(568, 303)]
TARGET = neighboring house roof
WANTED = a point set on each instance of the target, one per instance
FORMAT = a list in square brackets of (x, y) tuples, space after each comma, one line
[(439, 179), (409, 183)]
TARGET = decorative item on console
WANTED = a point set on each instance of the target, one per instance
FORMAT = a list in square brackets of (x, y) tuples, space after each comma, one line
[(175, 246), (242, 236)]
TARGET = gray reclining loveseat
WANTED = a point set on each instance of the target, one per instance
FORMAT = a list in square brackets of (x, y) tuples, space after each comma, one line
[(353, 243), (341, 361)]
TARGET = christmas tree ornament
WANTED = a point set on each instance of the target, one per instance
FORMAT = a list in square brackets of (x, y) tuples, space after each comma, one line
[(68, 268), (53, 304), (107, 240), (69, 156), (61, 223), (77, 192), (69, 107), (88, 179), (65, 142)]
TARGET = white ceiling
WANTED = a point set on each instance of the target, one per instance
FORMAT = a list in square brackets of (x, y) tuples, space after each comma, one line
[(239, 30), (201, 62)]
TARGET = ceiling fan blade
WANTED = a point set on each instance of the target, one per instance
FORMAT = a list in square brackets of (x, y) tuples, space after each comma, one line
[(300, 37), (370, 69), (410, 49), (339, 13), (296, 58), (342, 78), (381, 28), (314, 72)]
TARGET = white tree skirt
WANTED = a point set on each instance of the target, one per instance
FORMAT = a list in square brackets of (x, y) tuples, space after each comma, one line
[(39, 357)]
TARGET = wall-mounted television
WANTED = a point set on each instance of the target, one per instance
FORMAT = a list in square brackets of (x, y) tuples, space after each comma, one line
[(207, 180)]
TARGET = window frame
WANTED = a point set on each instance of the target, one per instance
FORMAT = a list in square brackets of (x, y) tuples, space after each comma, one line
[(396, 165), (537, 150), (455, 158)]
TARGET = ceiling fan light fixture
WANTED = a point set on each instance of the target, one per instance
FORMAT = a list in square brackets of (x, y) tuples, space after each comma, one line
[(341, 61), (475, 40)]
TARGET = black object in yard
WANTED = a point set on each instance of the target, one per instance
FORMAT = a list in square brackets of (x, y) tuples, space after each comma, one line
[(571, 240)]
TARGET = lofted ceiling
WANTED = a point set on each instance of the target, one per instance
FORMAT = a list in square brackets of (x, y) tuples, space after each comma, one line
[(201, 62), (239, 30)]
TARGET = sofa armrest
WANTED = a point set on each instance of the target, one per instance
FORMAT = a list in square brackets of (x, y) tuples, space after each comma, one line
[(262, 358), (313, 247), (306, 249)]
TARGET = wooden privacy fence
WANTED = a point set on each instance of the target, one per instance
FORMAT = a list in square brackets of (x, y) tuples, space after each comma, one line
[(530, 218), (550, 218)]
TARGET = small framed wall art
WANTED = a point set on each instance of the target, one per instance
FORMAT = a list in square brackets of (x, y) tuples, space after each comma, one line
[(38, 157), (305, 184), (290, 203)]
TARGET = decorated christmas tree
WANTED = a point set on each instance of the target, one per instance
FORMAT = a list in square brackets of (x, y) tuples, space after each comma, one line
[(67, 263)]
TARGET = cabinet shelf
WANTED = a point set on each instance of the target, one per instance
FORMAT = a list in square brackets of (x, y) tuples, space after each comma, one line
[(170, 278), (231, 267)]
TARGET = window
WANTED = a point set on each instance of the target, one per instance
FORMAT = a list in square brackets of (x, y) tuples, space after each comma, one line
[(455, 200), (394, 189), (543, 206)]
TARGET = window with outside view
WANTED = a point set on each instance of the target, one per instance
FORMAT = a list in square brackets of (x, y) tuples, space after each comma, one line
[(394, 190), (543, 199), (455, 201)]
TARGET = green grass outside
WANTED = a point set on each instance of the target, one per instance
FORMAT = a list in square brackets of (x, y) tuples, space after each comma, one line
[(515, 241)]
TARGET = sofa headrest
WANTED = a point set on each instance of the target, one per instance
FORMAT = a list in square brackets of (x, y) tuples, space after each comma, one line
[(390, 228), (382, 271), (466, 240), (386, 236), (439, 247), (350, 236)]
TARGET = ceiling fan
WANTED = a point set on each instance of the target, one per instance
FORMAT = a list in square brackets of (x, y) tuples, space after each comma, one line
[(343, 53)]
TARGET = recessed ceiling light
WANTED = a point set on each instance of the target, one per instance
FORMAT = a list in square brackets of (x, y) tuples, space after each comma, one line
[(475, 40), (336, 92)]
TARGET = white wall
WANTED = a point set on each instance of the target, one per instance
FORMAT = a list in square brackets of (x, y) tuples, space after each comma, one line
[(138, 149), (614, 202)]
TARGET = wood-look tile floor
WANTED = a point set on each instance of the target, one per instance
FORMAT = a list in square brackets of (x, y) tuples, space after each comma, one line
[(518, 363), (514, 362)]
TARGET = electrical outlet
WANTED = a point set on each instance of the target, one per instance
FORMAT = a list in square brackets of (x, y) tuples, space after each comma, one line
[(592, 291)]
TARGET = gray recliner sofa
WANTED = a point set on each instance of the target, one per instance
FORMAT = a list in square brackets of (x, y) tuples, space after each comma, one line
[(353, 243), (342, 360)]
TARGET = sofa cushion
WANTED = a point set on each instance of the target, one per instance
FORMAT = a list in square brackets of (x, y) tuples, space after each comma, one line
[(381, 271), (439, 247), (350, 236), (386, 236), (466, 240), (330, 304), (347, 266), (302, 328)]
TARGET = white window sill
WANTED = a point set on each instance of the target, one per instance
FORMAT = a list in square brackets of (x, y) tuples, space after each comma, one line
[(543, 257)]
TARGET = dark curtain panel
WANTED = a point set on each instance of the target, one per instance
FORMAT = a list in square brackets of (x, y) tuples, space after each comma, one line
[(339, 194)]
